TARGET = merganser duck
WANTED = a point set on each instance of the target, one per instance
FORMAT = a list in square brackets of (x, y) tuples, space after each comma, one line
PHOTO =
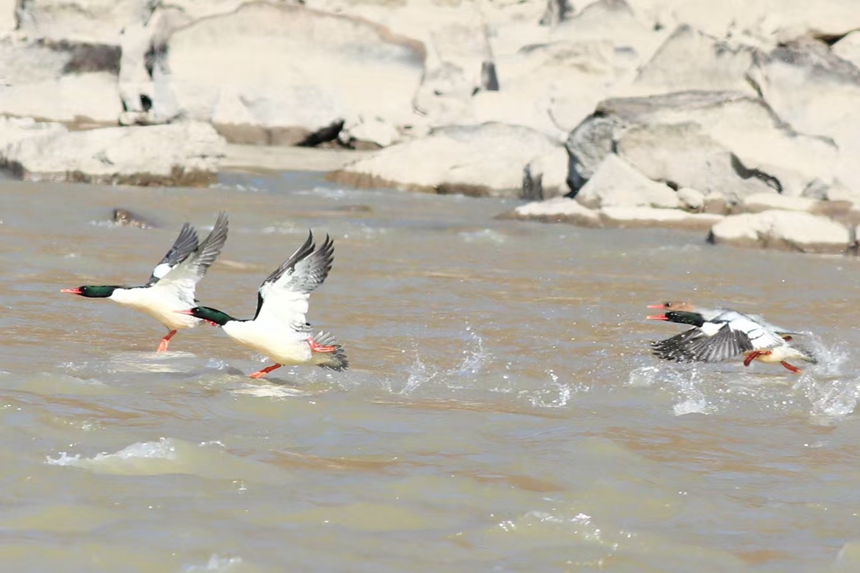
[(726, 334), (172, 283), (709, 313), (279, 328)]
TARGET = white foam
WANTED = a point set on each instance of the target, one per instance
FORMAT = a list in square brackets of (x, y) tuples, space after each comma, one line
[(216, 563), (164, 449)]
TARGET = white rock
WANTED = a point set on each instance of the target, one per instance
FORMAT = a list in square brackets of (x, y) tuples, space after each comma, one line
[(483, 160), (691, 199), (711, 141), (555, 210), (176, 154), (848, 48), (7, 18), (617, 184), (787, 230), (375, 131), (691, 60), (292, 69), (43, 82), (92, 21), (650, 217), (766, 201), (15, 129)]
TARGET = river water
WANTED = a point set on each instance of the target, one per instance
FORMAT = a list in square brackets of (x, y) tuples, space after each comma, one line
[(501, 412)]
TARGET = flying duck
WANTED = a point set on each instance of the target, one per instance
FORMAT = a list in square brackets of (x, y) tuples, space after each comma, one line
[(722, 334), (279, 328), (172, 283)]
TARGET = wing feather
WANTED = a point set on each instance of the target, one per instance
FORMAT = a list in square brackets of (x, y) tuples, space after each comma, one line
[(185, 244), (283, 296)]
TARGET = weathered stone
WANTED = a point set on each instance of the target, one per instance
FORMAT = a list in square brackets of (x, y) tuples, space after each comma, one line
[(817, 93), (650, 217), (94, 21), (287, 71), (617, 184), (59, 82), (786, 230), (733, 141), (481, 160), (370, 134), (555, 210), (691, 199), (176, 154), (15, 129), (691, 60), (848, 48), (548, 170)]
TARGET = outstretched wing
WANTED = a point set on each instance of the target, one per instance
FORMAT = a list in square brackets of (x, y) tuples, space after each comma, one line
[(761, 334), (183, 277), (184, 245), (695, 345), (283, 297)]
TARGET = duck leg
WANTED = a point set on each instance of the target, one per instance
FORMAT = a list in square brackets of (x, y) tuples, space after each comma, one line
[(165, 342), (788, 366), (319, 347), (264, 371)]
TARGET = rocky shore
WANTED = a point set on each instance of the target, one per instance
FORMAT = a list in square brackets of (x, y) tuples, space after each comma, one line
[(739, 121)]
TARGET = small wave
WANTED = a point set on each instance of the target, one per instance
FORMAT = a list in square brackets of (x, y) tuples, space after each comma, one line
[(217, 564), (484, 236)]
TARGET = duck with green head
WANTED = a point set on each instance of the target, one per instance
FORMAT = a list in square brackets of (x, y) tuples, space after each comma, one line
[(172, 285), (279, 328)]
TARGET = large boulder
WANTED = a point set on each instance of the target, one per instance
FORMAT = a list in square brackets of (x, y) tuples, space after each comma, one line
[(481, 160), (818, 93), (176, 154), (725, 142), (690, 60), (60, 81), (786, 230), (278, 74)]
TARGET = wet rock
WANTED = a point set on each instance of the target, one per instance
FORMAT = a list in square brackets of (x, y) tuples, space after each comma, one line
[(766, 201), (637, 217), (127, 218), (480, 160), (555, 210), (278, 96), (176, 154), (617, 184), (722, 142), (786, 230), (74, 84), (691, 60)]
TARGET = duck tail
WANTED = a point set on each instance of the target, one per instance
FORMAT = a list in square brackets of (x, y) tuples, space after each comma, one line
[(332, 360)]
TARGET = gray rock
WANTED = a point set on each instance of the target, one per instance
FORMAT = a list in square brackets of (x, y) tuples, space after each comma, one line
[(126, 218)]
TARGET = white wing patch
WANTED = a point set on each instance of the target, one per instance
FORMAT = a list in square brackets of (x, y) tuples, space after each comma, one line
[(161, 270)]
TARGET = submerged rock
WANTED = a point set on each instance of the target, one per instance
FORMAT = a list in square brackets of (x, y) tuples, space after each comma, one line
[(785, 230), (176, 154), (556, 210), (127, 218)]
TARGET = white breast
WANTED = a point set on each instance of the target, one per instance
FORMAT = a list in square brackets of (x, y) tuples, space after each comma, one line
[(282, 345), (161, 304)]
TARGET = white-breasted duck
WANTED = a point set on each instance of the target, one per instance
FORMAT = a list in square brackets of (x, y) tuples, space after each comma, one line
[(279, 328), (722, 334), (172, 285)]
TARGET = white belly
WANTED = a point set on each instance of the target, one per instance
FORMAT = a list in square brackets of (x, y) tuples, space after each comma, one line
[(282, 345), (159, 303)]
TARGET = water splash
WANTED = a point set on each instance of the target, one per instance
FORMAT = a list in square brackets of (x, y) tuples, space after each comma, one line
[(216, 564), (832, 392), (420, 374)]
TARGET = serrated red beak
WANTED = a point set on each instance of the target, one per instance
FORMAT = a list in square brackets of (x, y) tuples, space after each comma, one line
[(188, 312), (71, 290), (657, 317), (656, 306)]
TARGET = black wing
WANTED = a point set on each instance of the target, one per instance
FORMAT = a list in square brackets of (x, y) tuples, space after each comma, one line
[(185, 244), (695, 346)]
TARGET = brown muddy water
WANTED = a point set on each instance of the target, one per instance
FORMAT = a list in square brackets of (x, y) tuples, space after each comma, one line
[(502, 412)]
